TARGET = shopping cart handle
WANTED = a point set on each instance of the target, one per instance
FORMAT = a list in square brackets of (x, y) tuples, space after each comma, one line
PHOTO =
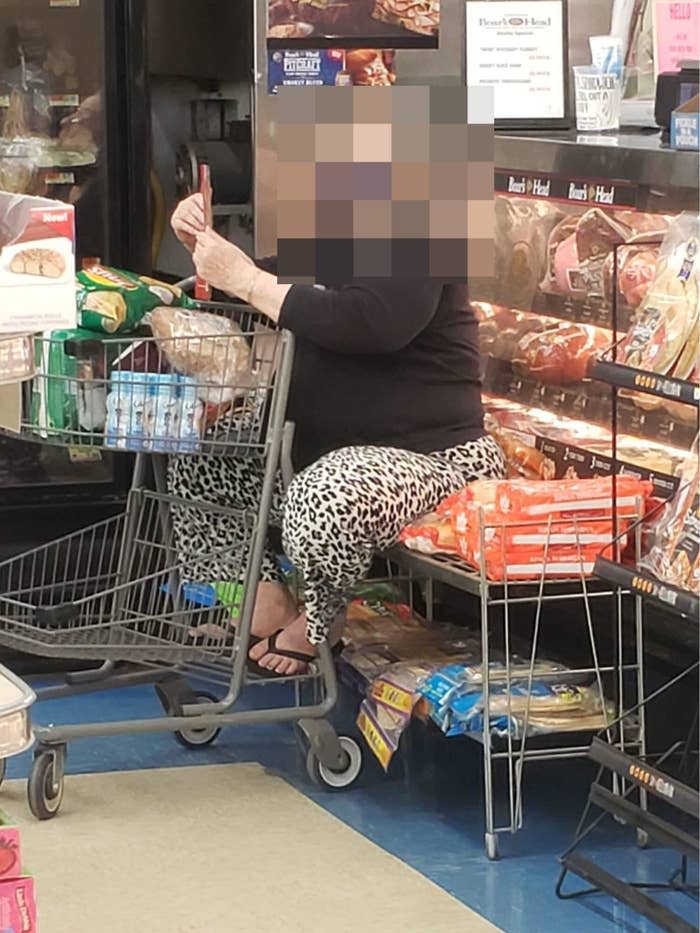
[(187, 284), (57, 616)]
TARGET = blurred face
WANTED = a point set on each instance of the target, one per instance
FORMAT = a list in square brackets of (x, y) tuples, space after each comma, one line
[(384, 183)]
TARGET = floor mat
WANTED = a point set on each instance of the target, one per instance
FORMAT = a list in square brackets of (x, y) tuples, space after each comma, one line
[(217, 848)]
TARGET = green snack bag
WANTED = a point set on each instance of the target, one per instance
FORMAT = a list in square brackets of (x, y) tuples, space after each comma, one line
[(111, 301)]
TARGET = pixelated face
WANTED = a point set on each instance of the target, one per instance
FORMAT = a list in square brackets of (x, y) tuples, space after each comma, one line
[(384, 183)]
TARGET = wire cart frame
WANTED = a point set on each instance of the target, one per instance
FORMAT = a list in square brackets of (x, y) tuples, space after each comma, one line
[(117, 592)]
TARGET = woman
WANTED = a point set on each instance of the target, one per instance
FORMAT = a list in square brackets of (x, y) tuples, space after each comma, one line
[(386, 400)]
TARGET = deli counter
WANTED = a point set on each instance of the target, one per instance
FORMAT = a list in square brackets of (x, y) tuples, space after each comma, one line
[(593, 235)]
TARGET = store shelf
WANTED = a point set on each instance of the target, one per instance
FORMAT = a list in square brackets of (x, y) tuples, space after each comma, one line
[(625, 377), (581, 311), (587, 463), (587, 401), (644, 584)]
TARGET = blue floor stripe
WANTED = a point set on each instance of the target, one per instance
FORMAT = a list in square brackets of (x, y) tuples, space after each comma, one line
[(428, 812)]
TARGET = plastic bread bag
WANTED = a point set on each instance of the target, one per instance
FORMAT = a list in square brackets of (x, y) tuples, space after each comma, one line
[(111, 301), (208, 347), (675, 553), (670, 311)]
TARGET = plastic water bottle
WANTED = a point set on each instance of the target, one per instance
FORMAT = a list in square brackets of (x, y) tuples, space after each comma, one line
[(163, 411), (126, 411), (191, 416)]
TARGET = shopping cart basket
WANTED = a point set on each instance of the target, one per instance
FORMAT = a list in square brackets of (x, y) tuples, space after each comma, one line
[(127, 591)]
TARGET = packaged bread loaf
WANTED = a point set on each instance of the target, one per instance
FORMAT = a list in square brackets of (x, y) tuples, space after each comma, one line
[(675, 554), (208, 347), (669, 314)]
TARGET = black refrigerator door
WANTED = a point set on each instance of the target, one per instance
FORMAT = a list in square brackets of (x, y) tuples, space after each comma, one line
[(74, 126)]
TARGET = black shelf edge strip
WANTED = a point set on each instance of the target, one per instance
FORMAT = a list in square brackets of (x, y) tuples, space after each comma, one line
[(644, 584), (622, 891), (661, 831), (625, 377), (666, 788)]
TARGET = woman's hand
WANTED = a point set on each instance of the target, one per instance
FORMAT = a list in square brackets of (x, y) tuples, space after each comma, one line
[(188, 221), (221, 264)]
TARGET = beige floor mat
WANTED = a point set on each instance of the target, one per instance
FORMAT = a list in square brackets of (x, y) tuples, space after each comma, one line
[(217, 849)]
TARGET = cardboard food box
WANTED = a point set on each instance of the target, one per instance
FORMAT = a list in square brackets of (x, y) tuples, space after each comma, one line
[(17, 898), (685, 125), (18, 906), (37, 265)]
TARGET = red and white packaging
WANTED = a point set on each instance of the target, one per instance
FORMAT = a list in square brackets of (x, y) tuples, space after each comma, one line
[(37, 265), (581, 496)]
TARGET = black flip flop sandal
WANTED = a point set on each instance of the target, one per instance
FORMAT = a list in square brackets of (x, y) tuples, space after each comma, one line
[(254, 668)]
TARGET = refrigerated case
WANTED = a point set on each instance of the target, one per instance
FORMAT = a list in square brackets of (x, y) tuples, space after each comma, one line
[(74, 126), (580, 222)]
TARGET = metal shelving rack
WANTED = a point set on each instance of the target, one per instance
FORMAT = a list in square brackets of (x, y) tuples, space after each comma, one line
[(499, 603)]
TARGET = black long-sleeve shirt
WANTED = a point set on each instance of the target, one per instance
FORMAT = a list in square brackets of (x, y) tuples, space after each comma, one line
[(391, 364)]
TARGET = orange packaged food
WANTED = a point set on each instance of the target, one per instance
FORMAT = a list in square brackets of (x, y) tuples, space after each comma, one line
[(580, 496)]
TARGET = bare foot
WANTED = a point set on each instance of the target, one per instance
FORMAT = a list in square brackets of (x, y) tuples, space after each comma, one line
[(293, 638), (275, 608)]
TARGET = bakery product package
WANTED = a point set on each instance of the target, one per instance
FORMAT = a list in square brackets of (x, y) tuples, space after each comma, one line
[(37, 264), (674, 556), (669, 315)]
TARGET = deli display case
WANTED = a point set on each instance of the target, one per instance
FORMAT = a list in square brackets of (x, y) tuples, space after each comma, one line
[(589, 331), (582, 225)]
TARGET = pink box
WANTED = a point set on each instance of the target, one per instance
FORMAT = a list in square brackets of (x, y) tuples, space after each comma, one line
[(17, 906), (10, 852)]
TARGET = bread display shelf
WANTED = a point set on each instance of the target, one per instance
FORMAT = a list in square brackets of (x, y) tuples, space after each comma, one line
[(625, 377), (587, 401), (649, 587)]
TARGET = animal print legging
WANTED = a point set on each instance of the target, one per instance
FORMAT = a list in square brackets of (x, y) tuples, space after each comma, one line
[(335, 516)]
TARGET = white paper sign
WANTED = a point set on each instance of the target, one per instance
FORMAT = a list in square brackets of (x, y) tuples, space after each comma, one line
[(517, 48)]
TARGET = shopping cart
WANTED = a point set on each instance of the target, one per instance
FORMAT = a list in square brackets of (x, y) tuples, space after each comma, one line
[(130, 591)]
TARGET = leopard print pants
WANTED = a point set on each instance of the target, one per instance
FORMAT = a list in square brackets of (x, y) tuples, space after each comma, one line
[(335, 516)]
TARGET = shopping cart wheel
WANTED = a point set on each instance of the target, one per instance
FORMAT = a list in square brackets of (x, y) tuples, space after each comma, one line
[(491, 840), (45, 788), (332, 778), (199, 738), (175, 693), (642, 839)]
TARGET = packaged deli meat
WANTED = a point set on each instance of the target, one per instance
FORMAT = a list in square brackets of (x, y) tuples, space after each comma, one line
[(500, 334), (522, 231), (667, 317), (635, 273), (561, 355), (579, 258)]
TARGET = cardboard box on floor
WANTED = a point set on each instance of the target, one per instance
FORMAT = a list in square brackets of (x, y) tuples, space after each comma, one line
[(17, 899), (37, 264)]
